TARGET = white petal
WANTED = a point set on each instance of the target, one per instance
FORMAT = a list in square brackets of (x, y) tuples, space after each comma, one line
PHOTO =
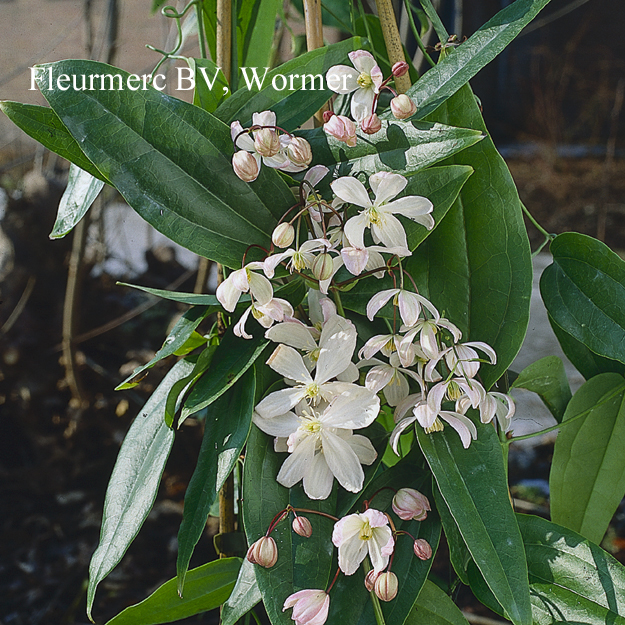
[(362, 103), (280, 402), (336, 347), (260, 288), (239, 328), (351, 555), (379, 377), (245, 142), (397, 389), (378, 300), (391, 233), (351, 374), (380, 547), (292, 333), (343, 461), (463, 425), (354, 258), (363, 448), (315, 174), (386, 186), (351, 190), (409, 307), (264, 118), (363, 61), (414, 207), (282, 426), (318, 479), (352, 410), (298, 462), (288, 363), (342, 79), (398, 431), (228, 295)]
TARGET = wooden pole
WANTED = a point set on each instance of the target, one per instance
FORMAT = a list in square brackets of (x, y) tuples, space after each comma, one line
[(314, 39), (392, 41)]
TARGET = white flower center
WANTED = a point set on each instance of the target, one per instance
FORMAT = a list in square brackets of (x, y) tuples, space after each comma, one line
[(312, 391), (364, 81), (374, 216), (298, 261)]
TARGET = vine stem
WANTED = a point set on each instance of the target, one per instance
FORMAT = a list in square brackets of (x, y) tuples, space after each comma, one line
[(377, 608), (548, 236)]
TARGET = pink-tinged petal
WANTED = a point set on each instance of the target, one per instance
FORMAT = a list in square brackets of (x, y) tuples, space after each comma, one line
[(488, 408), (374, 345), (399, 430), (342, 79), (298, 462), (282, 425), (397, 389), (445, 323), (474, 390), (379, 377), (376, 261), (336, 347), (280, 402), (355, 259), (380, 548), (343, 461), (346, 529), (245, 142), (361, 105), (463, 425), (292, 333), (416, 377), (228, 295), (310, 607), (363, 61), (318, 480), (362, 448), (264, 118), (436, 396), (351, 190), (316, 174), (407, 404), (353, 409), (391, 233), (239, 328), (378, 78), (378, 301), (426, 303), (288, 363), (240, 279), (386, 185), (375, 517)]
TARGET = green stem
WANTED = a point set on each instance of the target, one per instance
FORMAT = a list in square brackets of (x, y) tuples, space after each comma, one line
[(377, 608), (604, 400), (541, 246), (417, 36), (339, 304), (546, 234), (199, 9)]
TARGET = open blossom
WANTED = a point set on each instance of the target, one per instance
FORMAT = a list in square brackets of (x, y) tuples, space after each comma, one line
[(363, 80), (462, 359), (357, 535), (310, 607), (267, 314), (242, 281), (409, 303), (493, 405), (390, 378), (379, 215)]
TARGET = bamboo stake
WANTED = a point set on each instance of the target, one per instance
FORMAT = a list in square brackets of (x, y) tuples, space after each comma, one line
[(392, 41), (314, 40)]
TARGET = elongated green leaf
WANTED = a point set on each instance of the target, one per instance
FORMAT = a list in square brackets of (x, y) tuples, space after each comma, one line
[(584, 292), (81, 192), (302, 562), (434, 607), (476, 265), (211, 86), (473, 484), (207, 587), (587, 479), (547, 378), (400, 147), (272, 90), (44, 125), (257, 38), (245, 595), (171, 162), (462, 63), (180, 333), (226, 427), (586, 362), (571, 579), (134, 481)]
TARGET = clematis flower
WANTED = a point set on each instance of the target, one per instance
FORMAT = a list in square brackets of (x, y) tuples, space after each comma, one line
[(426, 330), (409, 303), (310, 607), (274, 310), (357, 535), (342, 128), (493, 405), (242, 281), (409, 504), (379, 215), (390, 378), (321, 443), (302, 258), (364, 82), (462, 359)]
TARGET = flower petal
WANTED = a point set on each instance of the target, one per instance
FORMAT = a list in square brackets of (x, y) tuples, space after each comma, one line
[(343, 461), (351, 190), (288, 363), (386, 185), (298, 462), (463, 425), (336, 347), (352, 410), (282, 425), (280, 402), (399, 430), (391, 233), (362, 103), (292, 333), (318, 479), (378, 300), (363, 61), (342, 79)]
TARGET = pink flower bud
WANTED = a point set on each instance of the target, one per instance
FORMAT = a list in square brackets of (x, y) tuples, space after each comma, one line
[(245, 166), (403, 107), (267, 142), (322, 267), (327, 115), (400, 68), (370, 125), (385, 586), (342, 128), (409, 504), (370, 578), (283, 235), (302, 526), (310, 607), (299, 152), (422, 549), (263, 552)]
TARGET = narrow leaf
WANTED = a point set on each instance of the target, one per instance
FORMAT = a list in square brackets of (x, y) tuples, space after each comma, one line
[(245, 595), (211, 86)]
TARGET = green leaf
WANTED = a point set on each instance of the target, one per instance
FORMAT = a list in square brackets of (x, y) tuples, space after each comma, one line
[(134, 482), (44, 125), (291, 106), (81, 192), (584, 292), (244, 597), (179, 335), (475, 266), (571, 579), (226, 427), (257, 22), (473, 484), (400, 147), (586, 362), (207, 587), (587, 479), (462, 63), (302, 562), (211, 86), (434, 607), (439, 28), (547, 378), (171, 162), (232, 359)]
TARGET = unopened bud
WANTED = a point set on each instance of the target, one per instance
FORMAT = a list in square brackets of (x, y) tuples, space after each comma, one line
[(302, 526), (322, 267), (299, 152), (263, 552), (385, 586), (409, 504), (422, 549), (370, 578), (327, 115), (342, 128), (403, 107), (370, 125), (267, 142), (283, 235), (400, 68), (245, 166)]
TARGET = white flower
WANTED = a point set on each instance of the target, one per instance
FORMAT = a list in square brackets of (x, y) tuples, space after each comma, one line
[(462, 359), (364, 82), (492, 405), (390, 378), (409, 303), (310, 607), (358, 534), (427, 329), (301, 258), (274, 310), (385, 343), (379, 214), (321, 443), (242, 281)]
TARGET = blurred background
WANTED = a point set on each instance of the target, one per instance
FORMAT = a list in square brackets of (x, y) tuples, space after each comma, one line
[(69, 334)]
